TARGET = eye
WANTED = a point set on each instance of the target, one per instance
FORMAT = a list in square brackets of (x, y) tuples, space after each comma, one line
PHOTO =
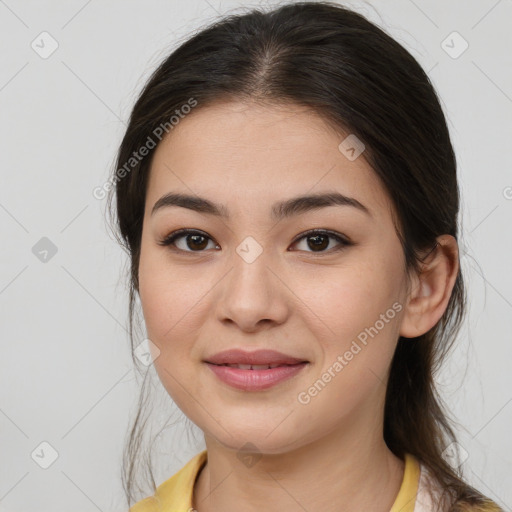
[(194, 239), (318, 239)]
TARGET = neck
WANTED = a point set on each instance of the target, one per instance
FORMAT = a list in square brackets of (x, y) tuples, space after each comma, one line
[(349, 470)]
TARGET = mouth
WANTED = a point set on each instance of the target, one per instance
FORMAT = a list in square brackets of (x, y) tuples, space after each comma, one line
[(261, 359), (255, 377), (257, 366)]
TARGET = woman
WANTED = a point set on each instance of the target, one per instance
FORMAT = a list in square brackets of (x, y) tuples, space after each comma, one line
[(287, 192)]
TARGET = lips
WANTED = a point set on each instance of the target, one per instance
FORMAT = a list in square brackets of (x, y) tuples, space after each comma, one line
[(254, 380), (253, 366), (256, 360)]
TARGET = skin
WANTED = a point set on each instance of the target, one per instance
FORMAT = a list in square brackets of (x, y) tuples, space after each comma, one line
[(308, 303)]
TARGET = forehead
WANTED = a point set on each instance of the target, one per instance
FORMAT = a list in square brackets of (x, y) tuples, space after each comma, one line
[(233, 150)]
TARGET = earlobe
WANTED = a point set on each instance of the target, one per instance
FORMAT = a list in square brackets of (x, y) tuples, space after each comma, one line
[(432, 289)]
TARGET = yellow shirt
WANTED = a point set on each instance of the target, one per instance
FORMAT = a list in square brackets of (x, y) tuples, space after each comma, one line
[(175, 494)]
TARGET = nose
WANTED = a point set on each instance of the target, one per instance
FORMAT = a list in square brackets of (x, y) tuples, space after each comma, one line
[(253, 295)]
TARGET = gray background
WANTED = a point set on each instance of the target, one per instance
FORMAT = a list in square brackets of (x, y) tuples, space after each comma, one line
[(66, 376)]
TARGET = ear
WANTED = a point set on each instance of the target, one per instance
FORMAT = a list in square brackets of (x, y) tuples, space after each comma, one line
[(431, 288)]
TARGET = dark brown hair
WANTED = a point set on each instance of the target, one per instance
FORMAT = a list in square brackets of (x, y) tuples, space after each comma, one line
[(349, 71)]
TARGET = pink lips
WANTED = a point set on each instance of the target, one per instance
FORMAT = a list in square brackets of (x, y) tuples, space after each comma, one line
[(238, 356), (254, 379)]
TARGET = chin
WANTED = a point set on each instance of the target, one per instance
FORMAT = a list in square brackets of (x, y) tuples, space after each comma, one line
[(251, 439)]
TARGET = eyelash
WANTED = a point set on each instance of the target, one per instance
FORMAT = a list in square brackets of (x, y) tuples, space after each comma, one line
[(344, 242)]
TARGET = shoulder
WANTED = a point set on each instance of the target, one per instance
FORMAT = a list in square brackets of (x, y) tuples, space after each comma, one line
[(175, 493), (149, 504), (430, 491)]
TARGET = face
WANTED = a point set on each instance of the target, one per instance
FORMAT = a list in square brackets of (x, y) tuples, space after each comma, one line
[(333, 302)]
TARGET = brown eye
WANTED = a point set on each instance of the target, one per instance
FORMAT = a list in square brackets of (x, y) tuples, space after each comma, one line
[(194, 241), (318, 240), (197, 241)]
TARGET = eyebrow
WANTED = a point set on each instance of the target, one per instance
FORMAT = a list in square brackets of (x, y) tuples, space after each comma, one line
[(280, 210)]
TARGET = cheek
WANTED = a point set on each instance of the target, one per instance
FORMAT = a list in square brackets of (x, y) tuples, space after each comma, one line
[(170, 297), (357, 311), (174, 303), (354, 312), (168, 308), (344, 301)]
